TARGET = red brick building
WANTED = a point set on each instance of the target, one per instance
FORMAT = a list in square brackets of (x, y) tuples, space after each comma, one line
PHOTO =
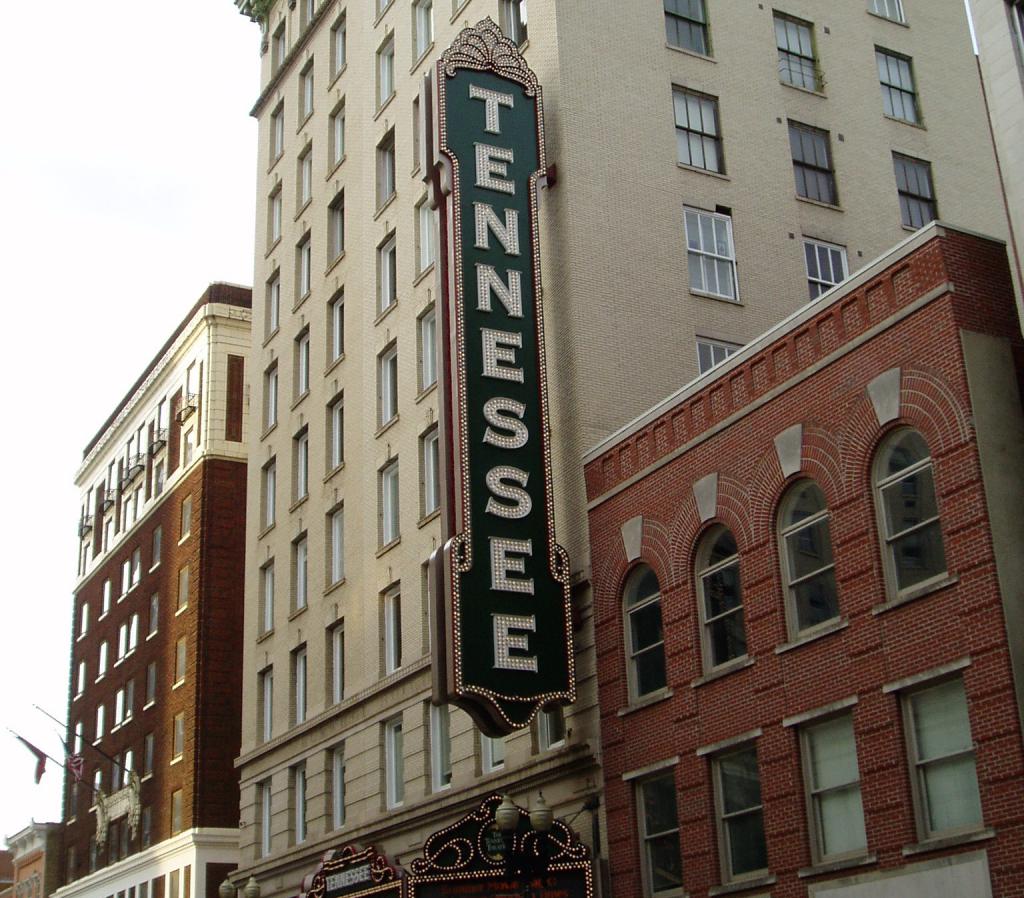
[(155, 699), (808, 600)]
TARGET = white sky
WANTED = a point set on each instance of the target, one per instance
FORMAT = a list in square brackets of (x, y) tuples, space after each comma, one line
[(130, 170)]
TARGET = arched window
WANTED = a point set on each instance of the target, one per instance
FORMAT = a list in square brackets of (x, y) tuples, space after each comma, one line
[(721, 600), (908, 512), (644, 639), (807, 564)]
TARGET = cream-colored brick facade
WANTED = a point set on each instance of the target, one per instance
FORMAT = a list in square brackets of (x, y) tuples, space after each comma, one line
[(621, 327)]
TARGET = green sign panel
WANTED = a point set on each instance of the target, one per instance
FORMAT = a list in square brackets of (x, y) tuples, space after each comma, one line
[(502, 582)]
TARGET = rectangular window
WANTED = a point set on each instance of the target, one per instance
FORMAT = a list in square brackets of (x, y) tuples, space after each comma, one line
[(551, 728), (826, 266), (812, 163), (658, 820), (339, 48), (686, 25), (943, 774), (80, 688), (386, 168), (337, 135), (710, 254), (387, 384), (176, 813), (270, 389), (119, 707), (126, 577), (266, 704), (122, 641), (101, 721), (338, 786), (83, 619), (178, 736), (336, 327), (306, 91), (183, 588), (158, 537), (150, 683), (303, 267), (267, 597), (278, 48), (302, 364), (430, 476), (299, 685), (154, 614), (180, 658), (423, 13), (389, 518), (492, 753), (386, 72), (299, 793), (698, 138), (273, 303), (148, 748), (713, 352), (263, 798), (269, 493), (428, 348), (336, 529), (394, 763), (101, 667), (832, 780), (300, 454), (336, 226), (392, 630), (108, 591), (277, 132), (274, 216), (512, 16), (797, 63), (304, 179), (888, 9), (186, 517), (742, 849), (914, 183), (425, 236), (440, 747), (336, 656), (335, 433), (899, 97), (300, 573)]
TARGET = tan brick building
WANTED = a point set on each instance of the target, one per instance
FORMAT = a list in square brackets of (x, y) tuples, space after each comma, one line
[(718, 164), (37, 860), (155, 695)]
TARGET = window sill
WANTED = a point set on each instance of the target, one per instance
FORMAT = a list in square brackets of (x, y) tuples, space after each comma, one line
[(423, 274), (383, 206), (153, 568), (266, 433), (181, 610), (298, 503), (903, 121), (297, 611), (917, 592), (651, 699), (926, 845), (300, 301), (334, 364), (334, 263), (804, 90), (298, 400), (723, 671), (274, 161), (703, 171), (266, 530), (425, 392), (333, 587), (825, 630), (270, 336), (304, 122), (719, 297), (427, 518), (176, 760), (384, 314), (819, 203), (387, 547), (836, 866), (185, 537), (149, 636), (386, 426), (384, 105), (272, 247), (266, 634), (330, 474), (421, 57), (462, 5), (177, 685), (383, 11), (743, 885), (886, 19), (334, 167), (148, 705), (692, 53)]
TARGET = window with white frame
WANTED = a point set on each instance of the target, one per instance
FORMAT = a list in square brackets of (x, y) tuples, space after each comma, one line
[(698, 135), (306, 91), (300, 452), (270, 390), (551, 728), (944, 777), (273, 303), (335, 433), (101, 666), (299, 685), (426, 253), (431, 477), (387, 384), (186, 517), (914, 186), (720, 599), (148, 752), (658, 821), (427, 324), (303, 266), (513, 20), (888, 9), (710, 254), (336, 227), (302, 363), (101, 721), (178, 736), (267, 597), (108, 587), (183, 588), (492, 753), (188, 446), (387, 275), (798, 65), (339, 46), (80, 687), (278, 48), (392, 630), (423, 25), (386, 71), (336, 531), (126, 576), (150, 683), (826, 266), (338, 786), (336, 326), (899, 95), (79, 737), (813, 170), (336, 659), (394, 763), (298, 777), (686, 26), (277, 132), (264, 797), (180, 660), (304, 178), (266, 704), (807, 564), (274, 216), (337, 134), (119, 707), (306, 12), (908, 512), (269, 493), (417, 124), (83, 619), (440, 747), (389, 511), (133, 632), (122, 642), (832, 783), (156, 546), (742, 850), (713, 352), (300, 573), (645, 647), (154, 614)]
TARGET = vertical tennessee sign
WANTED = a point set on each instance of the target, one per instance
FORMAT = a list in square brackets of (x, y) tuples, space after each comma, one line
[(502, 599)]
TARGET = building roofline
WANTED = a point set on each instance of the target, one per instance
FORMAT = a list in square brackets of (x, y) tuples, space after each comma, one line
[(218, 292), (905, 247)]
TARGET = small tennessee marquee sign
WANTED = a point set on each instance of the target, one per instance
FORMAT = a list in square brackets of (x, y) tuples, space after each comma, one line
[(501, 583), (353, 873)]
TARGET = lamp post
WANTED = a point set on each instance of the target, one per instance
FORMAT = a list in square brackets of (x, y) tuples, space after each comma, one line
[(509, 820), (228, 889)]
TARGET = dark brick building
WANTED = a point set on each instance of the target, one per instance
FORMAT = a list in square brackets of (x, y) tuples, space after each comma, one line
[(808, 586), (155, 698)]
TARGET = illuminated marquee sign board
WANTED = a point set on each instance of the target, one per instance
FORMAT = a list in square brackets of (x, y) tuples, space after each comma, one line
[(501, 584), (350, 872), (467, 860)]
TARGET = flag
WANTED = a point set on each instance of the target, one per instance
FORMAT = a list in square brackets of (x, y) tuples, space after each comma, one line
[(40, 756), (76, 764)]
